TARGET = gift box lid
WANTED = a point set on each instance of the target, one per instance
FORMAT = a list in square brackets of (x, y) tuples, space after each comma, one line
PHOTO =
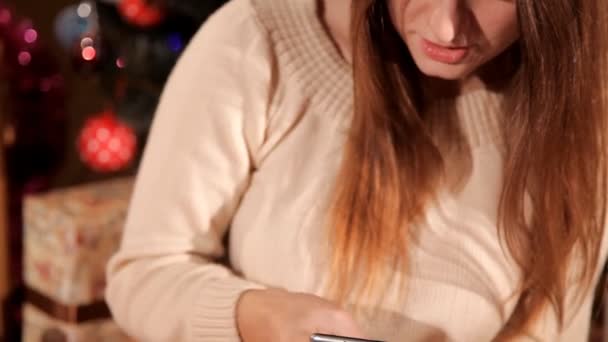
[(66, 217), (69, 235)]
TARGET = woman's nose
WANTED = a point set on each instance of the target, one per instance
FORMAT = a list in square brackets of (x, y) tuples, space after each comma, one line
[(447, 21)]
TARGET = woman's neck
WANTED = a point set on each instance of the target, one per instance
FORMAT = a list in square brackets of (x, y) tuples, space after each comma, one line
[(495, 75)]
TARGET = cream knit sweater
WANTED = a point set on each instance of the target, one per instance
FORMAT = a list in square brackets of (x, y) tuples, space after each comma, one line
[(246, 144)]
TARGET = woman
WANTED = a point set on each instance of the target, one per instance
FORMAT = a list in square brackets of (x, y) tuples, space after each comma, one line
[(457, 194)]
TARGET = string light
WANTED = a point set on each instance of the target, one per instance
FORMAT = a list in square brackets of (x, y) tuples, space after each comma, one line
[(30, 36), (86, 42), (89, 53), (176, 43), (84, 10), (120, 62), (24, 58)]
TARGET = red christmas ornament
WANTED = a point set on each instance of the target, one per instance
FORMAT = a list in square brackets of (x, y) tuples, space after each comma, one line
[(141, 13), (105, 144)]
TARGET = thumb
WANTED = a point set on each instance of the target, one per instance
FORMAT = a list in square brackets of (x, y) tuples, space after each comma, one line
[(343, 324)]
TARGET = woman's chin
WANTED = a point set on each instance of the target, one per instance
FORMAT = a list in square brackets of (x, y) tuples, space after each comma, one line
[(445, 71)]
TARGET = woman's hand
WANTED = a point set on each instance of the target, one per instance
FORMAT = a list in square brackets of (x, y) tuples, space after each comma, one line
[(280, 316)]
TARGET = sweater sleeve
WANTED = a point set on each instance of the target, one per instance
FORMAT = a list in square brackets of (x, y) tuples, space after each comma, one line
[(165, 283)]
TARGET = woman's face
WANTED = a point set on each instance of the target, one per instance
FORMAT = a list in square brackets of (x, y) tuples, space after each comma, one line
[(450, 39)]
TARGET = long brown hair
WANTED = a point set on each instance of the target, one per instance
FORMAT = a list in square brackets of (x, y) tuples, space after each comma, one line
[(555, 138)]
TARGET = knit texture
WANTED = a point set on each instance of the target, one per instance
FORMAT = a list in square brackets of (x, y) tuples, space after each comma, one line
[(245, 148)]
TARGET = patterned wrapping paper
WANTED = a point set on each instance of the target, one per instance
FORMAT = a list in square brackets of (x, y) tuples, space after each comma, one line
[(69, 235), (39, 327)]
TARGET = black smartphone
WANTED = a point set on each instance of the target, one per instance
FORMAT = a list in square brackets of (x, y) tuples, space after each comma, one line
[(333, 338)]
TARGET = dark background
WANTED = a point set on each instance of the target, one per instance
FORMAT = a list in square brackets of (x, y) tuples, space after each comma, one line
[(44, 156), (83, 93)]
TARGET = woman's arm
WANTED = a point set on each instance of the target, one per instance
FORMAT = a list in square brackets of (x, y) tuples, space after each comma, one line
[(165, 283)]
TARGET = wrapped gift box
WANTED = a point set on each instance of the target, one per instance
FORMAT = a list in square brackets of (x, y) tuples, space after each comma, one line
[(69, 236)]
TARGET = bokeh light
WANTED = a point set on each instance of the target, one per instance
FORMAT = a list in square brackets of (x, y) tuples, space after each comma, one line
[(86, 42), (176, 43), (84, 10), (5, 16), (120, 62), (30, 36), (89, 53), (24, 58)]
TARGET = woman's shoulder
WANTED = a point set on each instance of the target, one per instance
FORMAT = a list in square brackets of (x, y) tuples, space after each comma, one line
[(276, 18), (301, 43), (236, 18), (287, 37), (289, 28)]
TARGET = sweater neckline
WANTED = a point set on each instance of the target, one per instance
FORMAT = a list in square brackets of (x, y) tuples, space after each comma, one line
[(323, 37), (328, 74)]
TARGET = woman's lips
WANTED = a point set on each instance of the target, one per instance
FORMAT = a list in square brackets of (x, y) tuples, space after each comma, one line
[(443, 54)]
